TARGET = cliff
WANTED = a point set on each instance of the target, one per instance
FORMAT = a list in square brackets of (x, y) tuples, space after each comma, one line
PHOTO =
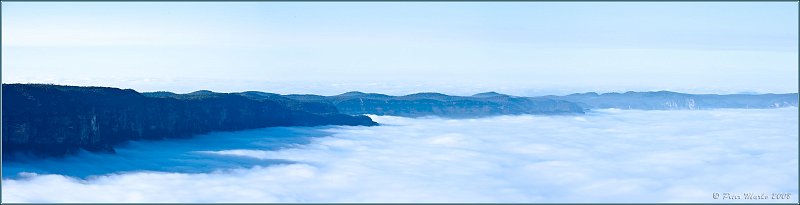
[(52, 120)]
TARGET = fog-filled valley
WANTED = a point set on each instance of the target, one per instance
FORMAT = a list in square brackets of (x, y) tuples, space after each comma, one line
[(606, 155), (403, 101)]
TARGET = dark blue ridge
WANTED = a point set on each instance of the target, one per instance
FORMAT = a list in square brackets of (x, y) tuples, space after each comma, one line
[(53, 121)]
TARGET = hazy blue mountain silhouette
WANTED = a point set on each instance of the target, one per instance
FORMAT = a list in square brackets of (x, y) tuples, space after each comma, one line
[(666, 100), (437, 104)]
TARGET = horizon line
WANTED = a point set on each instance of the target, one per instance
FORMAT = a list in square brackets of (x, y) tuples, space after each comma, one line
[(422, 92)]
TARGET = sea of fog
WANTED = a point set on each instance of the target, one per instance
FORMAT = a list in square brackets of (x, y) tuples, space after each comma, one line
[(603, 156)]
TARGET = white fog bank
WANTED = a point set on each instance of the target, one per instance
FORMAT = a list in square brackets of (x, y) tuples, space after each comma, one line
[(604, 156)]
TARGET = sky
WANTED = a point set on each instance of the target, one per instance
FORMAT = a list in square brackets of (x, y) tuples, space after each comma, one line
[(521, 48), (603, 156)]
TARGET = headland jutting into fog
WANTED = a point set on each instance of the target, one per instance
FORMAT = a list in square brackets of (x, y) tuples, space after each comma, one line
[(55, 120)]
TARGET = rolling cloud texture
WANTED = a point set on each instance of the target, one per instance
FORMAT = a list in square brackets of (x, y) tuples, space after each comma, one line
[(604, 156)]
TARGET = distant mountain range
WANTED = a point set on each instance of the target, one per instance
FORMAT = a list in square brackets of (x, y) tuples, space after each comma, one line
[(54, 120), (492, 103), (665, 100), (424, 104), (414, 105)]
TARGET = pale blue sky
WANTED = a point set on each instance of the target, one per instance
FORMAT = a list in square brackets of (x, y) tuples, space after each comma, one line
[(523, 48)]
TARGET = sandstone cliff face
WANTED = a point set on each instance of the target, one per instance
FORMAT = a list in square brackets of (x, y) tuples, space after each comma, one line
[(50, 120)]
